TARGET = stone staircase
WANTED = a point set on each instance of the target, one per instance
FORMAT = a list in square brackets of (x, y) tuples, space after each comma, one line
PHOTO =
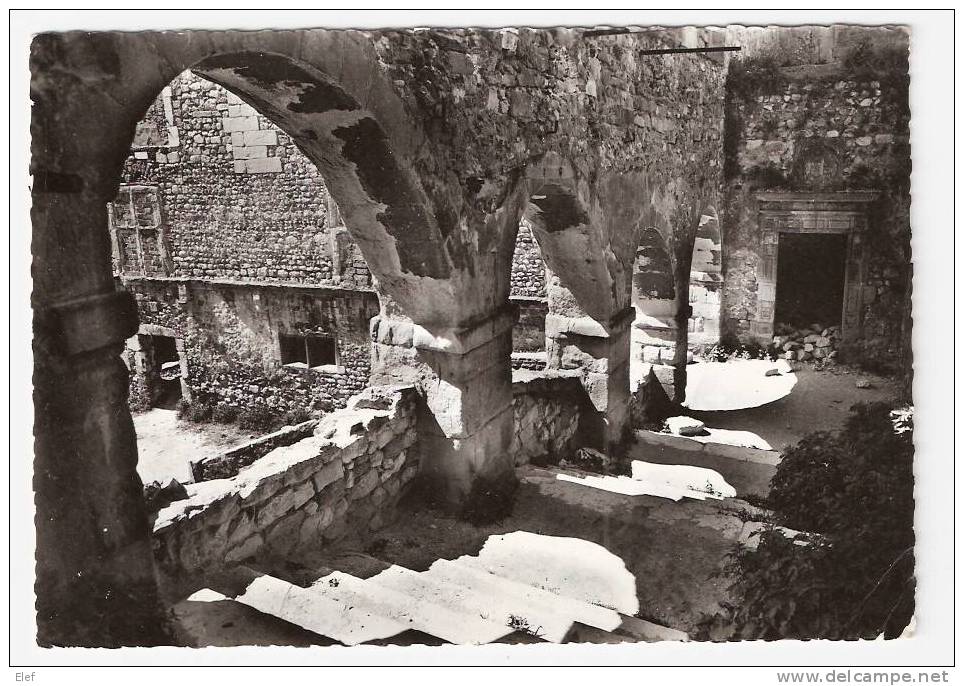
[(354, 598)]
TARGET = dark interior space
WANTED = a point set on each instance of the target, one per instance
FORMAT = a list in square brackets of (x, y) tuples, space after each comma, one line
[(167, 368), (810, 279)]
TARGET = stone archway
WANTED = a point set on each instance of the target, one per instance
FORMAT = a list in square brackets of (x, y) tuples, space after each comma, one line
[(95, 576), (706, 282)]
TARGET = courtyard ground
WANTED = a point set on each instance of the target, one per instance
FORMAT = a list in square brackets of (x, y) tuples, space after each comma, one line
[(166, 445), (820, 400)]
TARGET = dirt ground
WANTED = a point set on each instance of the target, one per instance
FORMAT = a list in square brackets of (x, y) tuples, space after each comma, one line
[(167, 445), (820, 401)]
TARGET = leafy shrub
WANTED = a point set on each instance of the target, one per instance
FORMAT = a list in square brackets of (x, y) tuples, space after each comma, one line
[(258, 418), (759, 74), (295, 416), (182, 408), (854, 576), (490, 500), (224, 414), (197, 411)]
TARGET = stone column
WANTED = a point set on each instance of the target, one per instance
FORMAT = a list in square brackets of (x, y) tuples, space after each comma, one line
[(601, 350), (465, 377), (95, 583)]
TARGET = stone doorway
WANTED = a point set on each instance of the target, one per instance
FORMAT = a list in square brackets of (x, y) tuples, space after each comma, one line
[(160, 366), (798, 220), (165, 371), (811, 272)]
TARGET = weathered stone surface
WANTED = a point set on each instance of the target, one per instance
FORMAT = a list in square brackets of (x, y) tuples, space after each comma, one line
[(231, 519)]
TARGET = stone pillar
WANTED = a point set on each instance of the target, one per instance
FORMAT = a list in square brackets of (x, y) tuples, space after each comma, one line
[(465, 377), (601, 350), (95, 581)]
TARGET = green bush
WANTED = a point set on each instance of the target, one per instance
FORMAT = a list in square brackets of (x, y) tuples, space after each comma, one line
[(853, 576), (258, 418)]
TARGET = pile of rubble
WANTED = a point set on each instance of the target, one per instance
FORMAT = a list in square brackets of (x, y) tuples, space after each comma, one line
[(814, 343)]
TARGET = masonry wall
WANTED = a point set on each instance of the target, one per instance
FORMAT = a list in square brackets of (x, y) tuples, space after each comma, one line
[(238, 199), (345, 479), (841, 125), (231, 340), (548, 407)]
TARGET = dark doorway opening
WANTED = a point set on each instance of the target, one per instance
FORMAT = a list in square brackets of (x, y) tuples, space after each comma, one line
[(165, 371), (810, 279)]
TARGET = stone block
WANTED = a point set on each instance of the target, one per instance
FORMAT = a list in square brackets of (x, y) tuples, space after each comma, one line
[(365, 484), (248, 548), (302, 494), (274, 508), (267, 165), (249, 152), (685, 426), (232, 124), (329, 474), (259, 138)]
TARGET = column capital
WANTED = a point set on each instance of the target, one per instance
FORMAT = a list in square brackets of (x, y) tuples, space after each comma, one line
[(559, 325), (90, 323)]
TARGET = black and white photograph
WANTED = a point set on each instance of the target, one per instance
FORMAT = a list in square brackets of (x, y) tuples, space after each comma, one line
[(483, 338)]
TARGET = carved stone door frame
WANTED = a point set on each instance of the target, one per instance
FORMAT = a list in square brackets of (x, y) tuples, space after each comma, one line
[(833, 213)]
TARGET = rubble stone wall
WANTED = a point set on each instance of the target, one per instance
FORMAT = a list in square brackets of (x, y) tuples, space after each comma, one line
[(238, 199), (231, 340), (838, 126), (528, 268), (346, 478), (547, 408)]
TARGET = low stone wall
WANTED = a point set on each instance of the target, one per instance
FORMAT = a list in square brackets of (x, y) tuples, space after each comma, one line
[(230, 462), (547, 408), (347, 477)]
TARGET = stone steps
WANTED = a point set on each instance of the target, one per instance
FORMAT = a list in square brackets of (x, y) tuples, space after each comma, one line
[(463, 601)]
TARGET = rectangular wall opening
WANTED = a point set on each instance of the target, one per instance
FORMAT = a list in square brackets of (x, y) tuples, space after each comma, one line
[(164, 368), (308, 351), (811, 270)]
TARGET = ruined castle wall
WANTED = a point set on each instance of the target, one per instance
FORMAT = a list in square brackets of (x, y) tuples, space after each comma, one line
[(346, 478), (822, 128), (232, 346)]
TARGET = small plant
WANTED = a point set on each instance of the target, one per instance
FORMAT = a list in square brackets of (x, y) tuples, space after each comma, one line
[(258, 418), (295, 416), (182, 408), (197, 411), (518, 623), (224, 414)]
